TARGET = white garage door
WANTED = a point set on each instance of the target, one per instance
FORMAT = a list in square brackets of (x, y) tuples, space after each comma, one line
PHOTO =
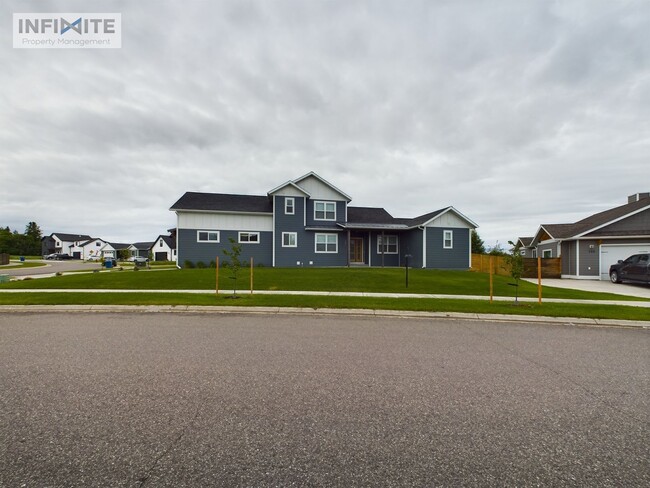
[(611, 253)]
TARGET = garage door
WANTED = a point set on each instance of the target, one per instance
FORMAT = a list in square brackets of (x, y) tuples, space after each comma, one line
[(161, 256), (611, 253)]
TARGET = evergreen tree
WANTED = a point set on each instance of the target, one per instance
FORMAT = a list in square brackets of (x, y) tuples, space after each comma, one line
[(478, 246)]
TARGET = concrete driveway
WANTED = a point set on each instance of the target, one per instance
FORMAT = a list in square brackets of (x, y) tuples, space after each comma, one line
[(628, 289)]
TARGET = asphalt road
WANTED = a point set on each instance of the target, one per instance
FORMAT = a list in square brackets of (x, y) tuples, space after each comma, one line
[(181, 400), (52, 267)]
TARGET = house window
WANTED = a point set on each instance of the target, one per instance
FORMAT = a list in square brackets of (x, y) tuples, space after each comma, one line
[(448, 239), (289, 206), (327, 243), (161, 243), (207, 236), (289, 239), (389, 246), (324, 211), (249, 237), (547, 253), (97, 244), (523, 252), (535, 253)]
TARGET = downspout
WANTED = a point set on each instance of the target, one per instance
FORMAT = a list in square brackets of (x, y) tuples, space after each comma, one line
[(424, 246)]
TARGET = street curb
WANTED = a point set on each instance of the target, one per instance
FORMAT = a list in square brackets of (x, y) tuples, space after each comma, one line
[(402, 314)]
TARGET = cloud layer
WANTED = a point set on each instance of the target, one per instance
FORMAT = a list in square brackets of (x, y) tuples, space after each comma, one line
[(517, 113)]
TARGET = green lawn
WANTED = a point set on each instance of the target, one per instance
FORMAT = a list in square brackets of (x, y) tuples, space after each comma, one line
[(386, 280), (410, 304)]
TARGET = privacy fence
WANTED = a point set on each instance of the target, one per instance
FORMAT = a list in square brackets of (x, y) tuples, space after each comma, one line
[(551, 267), (4, 259)]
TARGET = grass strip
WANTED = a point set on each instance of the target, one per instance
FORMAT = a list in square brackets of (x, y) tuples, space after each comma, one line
[(369, 280), (402, 304)]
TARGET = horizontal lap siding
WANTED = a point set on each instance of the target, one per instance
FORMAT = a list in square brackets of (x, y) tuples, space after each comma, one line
[(191, 250), (456, 258)]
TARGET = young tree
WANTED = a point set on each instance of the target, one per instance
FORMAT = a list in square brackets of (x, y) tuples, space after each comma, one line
[(515, 262), (234, 264), (32, 239), (478, 246)]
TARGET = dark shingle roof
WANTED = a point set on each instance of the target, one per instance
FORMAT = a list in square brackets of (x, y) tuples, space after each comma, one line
[(71, 237), (142, 246), (369, 215), (566, 231), (223, 202)]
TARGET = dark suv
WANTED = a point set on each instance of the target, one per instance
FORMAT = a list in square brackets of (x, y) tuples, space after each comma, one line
[(634, 268)]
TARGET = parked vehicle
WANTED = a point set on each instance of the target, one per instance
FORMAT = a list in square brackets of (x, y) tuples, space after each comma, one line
[(58, 256), (140, 260), (635, 268)]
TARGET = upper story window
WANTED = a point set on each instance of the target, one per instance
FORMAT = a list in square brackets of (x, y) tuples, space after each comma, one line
[(324, 210), (249, 237), (448, 239), (207, 236), (289, 206)]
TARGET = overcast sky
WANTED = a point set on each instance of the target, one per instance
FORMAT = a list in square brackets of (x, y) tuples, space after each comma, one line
[(517, 113)]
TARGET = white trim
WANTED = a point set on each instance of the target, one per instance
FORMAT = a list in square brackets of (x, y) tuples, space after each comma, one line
[(469, 264), (325, 203), (336, 237), (249, 234), (598, 227), (293, 205), (444, 239), (311, 173), (451, 209), (288, 183), (424, 247), (222, 212), (544, 251), (304, 211), (208, 240), (295, 240), (379, 245), (273, 236)]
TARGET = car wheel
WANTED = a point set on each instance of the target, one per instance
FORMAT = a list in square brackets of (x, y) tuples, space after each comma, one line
[(614, 277)]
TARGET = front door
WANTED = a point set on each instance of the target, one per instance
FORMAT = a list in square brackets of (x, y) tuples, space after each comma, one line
[(356, 250)]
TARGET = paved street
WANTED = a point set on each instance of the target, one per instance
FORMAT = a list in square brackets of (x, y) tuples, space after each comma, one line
[(153, 400), (52, 267)]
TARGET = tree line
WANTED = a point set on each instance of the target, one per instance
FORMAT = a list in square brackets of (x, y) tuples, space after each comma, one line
[(26, 244)]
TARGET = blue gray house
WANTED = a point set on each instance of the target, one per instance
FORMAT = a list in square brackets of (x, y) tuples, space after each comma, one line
[(308, 222)]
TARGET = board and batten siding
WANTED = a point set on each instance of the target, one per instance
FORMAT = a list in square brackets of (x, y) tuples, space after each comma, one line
[(225, 221)]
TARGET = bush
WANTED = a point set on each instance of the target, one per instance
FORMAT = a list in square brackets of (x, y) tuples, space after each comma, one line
[(213, 264), (188, 264), (200, 265)]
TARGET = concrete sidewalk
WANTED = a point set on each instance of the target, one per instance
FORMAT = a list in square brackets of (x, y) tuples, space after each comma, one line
[(570, 321), (631, 303)]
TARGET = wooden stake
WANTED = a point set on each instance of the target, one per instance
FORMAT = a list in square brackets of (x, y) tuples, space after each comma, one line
[(539, 279), (251, 275), (491, 285), (217, 282)]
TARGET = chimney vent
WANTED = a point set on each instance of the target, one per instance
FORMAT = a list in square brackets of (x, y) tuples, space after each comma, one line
[(637, 196)]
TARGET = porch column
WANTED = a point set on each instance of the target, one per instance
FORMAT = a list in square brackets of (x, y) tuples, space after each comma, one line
[(349, 247)]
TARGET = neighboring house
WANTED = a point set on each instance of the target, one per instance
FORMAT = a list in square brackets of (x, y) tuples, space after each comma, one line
[(588, 247), (309, 222), (60, 242), (525, 247), (140, 249), (113, 249), (89, 250), (164, 248)]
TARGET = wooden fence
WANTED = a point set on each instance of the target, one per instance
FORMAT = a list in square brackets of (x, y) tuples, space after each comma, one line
[(4, 259), (551, 267)]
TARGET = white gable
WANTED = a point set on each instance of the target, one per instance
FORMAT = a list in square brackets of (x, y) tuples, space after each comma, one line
[(450, 218), (319, 190)]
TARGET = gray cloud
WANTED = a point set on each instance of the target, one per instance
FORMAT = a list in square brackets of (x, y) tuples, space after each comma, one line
[(517, 113)]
